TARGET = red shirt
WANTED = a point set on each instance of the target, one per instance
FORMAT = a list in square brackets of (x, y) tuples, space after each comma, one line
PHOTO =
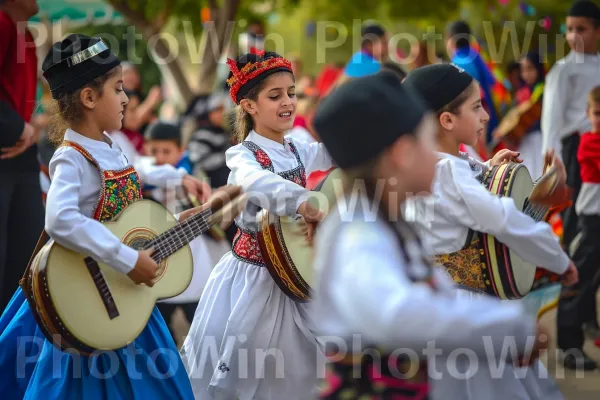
[(588, 156), (18, 83)]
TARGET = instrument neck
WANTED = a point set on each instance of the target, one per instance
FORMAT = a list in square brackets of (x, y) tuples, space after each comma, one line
[(179, 236)]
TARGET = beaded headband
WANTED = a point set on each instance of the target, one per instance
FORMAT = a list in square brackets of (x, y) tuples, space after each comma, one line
[(253, 70)]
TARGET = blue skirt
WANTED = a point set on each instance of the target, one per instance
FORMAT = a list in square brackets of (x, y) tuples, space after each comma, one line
[(32, 368)]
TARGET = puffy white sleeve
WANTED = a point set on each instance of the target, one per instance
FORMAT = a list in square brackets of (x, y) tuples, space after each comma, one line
[(469, 204), (554, 103), (373, 295), (264, 188), (162, 176), (68, 227), (314, 156)]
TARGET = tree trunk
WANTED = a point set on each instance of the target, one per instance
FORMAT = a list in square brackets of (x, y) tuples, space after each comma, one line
[(161, 48), (215, 39)]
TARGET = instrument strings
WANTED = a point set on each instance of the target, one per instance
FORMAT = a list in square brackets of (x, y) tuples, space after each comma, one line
[(537, 212), (177, 237)]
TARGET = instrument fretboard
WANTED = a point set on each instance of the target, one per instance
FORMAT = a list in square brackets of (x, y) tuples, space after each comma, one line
[(179, 236)]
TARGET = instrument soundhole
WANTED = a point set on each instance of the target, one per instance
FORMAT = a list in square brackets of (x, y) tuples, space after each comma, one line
[(138, 239), (139, 243)]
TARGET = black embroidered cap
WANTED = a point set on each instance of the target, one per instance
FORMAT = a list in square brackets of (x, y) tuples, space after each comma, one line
[(361, 118), (75, 61), (585, 8), (438, 84)]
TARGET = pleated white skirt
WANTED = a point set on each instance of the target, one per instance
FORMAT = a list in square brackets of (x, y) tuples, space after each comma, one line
[(249, 340)]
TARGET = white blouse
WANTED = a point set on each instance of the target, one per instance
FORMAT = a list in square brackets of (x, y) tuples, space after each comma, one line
[(566, 90), (267, 189), (460, 202), (364, 287), (74, 192)]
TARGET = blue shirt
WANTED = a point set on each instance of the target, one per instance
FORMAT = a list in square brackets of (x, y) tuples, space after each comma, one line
[(362, 64)]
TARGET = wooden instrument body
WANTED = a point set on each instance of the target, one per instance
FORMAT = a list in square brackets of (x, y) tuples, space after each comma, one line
[(68, 305), (517, 123), (485, 264), (283, 245)]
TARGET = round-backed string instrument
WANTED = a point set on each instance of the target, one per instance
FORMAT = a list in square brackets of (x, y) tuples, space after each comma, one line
[(487, 265), (283, 244)]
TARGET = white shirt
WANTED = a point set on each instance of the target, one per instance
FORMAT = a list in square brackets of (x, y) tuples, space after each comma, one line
[(363, 287), (267, 189), (460, 202), (300, 134), (565, 98), (74, 192)]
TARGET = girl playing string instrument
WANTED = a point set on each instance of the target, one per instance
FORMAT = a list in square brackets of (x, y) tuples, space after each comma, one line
[(263, 341), (91, 182), (460, 202), (377, 297)]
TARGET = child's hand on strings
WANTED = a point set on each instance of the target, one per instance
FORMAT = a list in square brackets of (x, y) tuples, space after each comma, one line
[(504, 156), (145, 270), (196, 188), (312, 215)]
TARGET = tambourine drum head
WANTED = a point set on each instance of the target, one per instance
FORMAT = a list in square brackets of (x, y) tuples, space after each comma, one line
[(521, 185)]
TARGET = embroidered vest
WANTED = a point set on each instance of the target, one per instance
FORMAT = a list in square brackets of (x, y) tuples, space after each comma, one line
[(245, 243), (119, 188)]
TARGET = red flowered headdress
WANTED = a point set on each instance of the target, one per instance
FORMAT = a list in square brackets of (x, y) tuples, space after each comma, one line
[(252, 68)]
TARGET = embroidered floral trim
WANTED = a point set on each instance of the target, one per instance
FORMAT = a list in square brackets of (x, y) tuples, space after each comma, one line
[(119, 189), (250, 71), (246, 248), (373, 382), (261, 156)]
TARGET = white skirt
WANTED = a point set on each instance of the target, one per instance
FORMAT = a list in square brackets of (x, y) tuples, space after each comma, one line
[(249, 340), (205, 253), (495, 379)]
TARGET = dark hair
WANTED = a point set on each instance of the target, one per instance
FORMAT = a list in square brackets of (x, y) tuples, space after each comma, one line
[(369, 31), (463, 31), (366, 173), (535, 59), (177, 141), (243, 122), (513, 66), (454, 106), (67, 110)]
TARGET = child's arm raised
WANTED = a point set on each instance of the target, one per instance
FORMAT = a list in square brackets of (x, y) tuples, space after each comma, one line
[(69, 227), (264, 188), (469, 204)]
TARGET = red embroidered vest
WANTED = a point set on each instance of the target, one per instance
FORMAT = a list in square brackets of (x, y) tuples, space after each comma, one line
[(245, 243)]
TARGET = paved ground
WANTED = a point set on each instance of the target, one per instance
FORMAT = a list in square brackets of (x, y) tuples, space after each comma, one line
[(583, 386)]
